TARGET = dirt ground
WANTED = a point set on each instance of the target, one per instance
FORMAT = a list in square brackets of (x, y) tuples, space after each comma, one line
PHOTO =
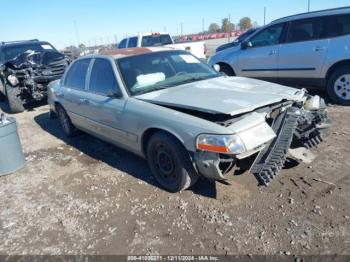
[(83, 196)]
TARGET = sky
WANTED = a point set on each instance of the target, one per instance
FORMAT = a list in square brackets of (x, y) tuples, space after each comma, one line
[(67, 22)]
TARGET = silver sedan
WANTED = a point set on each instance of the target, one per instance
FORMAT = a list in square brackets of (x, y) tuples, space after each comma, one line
[(183, 116)]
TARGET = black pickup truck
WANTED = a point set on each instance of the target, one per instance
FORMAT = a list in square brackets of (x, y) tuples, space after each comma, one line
[(26, 69)]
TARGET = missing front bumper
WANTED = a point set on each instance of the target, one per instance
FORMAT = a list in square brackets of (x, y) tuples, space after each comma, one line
[(295, 128)]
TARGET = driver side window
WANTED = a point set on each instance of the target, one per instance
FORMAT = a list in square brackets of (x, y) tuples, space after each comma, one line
[(102, 79), (267, 37), (122, 44)]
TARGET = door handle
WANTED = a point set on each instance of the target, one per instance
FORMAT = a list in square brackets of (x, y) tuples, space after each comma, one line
[(272, 52), (59, 95), (84, 101), (319, 48)]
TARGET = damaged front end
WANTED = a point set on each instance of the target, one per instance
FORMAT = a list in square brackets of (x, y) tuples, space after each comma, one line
[(295, 128), (31, 72), (295, 125)]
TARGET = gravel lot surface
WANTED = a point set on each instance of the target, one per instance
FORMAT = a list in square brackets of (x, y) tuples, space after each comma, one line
[(83, 196)]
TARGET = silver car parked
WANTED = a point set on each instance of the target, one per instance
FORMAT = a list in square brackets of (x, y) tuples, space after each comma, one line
[(311, 49), (183, 117)]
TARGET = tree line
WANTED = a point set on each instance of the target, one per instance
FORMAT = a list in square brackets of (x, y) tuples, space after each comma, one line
[(244, 23)]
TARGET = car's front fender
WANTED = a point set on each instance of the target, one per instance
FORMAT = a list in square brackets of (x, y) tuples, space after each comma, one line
[(142, 116), (228, 56)]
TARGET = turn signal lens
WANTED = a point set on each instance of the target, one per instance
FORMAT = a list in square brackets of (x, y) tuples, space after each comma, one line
[(224, 144), (212, 148)]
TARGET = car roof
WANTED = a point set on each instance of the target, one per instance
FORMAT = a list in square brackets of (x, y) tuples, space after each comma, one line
[(21, 43), (327, 12), (125, 52)]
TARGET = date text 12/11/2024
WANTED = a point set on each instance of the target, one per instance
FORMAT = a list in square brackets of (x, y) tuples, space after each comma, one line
[(172, 258)]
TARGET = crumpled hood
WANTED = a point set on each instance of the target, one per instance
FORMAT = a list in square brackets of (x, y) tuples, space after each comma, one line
[(35, 58), (224, 95)]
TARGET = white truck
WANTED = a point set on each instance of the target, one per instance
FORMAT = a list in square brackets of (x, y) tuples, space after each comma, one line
[(198, 49)]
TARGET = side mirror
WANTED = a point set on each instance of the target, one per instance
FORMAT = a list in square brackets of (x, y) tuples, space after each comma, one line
[(113, 94), (246, 45), (216, 67)]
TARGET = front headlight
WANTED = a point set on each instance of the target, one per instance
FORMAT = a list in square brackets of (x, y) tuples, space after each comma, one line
[(225, 144), (314, 103), (13, 80)]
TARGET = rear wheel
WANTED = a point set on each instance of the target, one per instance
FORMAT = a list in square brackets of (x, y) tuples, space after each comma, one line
[(338, 86), (14, 100), (170, 163), (65, 122), (227, 70)]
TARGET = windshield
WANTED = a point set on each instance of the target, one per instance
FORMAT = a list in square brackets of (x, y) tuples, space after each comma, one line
[(10, 52), (159, 70), (156, 40)]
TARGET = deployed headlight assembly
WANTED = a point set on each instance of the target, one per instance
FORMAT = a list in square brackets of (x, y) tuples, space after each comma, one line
[(224, 144), (314, 103), (13, 80), (47, 72)]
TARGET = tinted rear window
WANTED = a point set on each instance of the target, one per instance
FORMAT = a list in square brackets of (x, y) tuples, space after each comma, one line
[(319, 28), (77, 74), (156, 40), (304, 30), (337, 25)]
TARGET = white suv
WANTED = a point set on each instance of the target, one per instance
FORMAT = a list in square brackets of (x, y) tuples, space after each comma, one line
[(311, 49)]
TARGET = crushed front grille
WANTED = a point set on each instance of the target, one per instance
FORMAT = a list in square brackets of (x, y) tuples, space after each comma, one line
[(272, 159)]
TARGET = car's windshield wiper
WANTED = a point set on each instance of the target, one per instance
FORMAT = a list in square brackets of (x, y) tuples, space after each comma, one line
[(195, 79), (148, 90), (188, 80)]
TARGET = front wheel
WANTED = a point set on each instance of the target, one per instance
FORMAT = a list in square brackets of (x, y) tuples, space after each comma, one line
[(170, 163), (338, 86), (14, 100), (227, 70)]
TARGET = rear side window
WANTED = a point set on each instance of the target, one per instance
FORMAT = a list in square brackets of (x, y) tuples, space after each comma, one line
[(132, 42), (122, 44), (304, 30), (102, 78), (337, 26), (77, 74)]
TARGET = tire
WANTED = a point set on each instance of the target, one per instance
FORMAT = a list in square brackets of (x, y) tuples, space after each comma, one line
[(2, 91), (170, 163), (52, 115), (338, 86), (14, 100), (227, 70), (66, 124)]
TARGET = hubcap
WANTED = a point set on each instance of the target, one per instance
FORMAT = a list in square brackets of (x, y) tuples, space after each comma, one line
[(342, 87), (165, 164)]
